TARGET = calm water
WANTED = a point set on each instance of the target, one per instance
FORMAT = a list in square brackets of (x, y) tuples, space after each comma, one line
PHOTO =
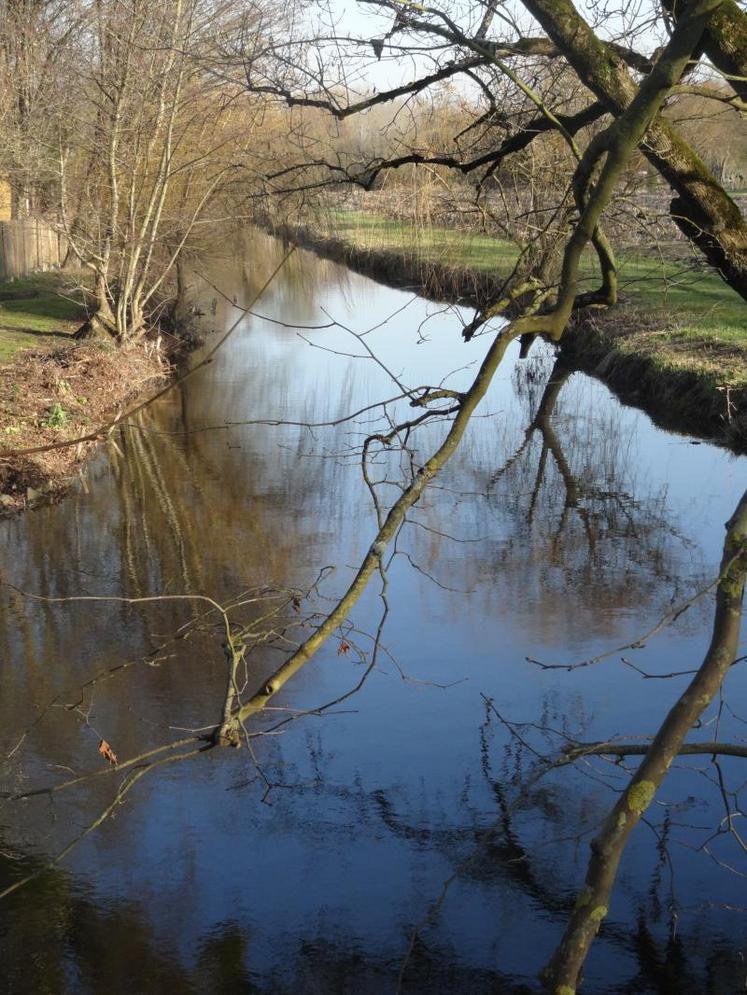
[(556, 543)]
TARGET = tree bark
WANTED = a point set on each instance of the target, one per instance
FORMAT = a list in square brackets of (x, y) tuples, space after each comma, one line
[(102, 323), (725, 42)]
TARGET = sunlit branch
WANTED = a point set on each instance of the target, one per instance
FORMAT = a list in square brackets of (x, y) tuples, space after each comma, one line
[(386, 533)]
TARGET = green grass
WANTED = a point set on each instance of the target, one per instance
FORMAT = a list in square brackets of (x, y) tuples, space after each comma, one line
[(701, 320), (698, 301), (36, 312), (450, 247)]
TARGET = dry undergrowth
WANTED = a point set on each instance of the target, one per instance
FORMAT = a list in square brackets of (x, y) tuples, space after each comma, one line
[(54, 395)]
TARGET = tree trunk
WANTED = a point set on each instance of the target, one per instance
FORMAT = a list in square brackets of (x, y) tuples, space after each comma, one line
[(102, 323), (725, 42), (702, 209)]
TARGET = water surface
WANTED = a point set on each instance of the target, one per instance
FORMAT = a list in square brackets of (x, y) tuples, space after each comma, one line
[(555, 542)]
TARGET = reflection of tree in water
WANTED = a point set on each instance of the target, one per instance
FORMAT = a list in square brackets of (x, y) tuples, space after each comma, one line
[(240, 272), (563, 520), (74, 944), (522, 850), (576, 517), (116, 947), (153, 527), (587, 506), (171, 516), (578, 487)]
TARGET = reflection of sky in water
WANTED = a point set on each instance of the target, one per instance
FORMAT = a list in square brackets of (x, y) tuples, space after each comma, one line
[(389, 793)]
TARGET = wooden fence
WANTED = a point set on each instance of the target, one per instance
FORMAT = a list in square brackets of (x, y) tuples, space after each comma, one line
[(28, 246)]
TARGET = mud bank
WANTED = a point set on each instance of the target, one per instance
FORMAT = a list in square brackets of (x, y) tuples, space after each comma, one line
[(50, 397)]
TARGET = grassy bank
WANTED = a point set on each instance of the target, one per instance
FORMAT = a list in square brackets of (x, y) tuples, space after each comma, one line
[(677, 344), (53, 388), (36, 312)]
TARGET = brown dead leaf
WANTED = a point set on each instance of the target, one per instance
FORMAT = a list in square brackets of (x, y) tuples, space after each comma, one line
[(107, 752)]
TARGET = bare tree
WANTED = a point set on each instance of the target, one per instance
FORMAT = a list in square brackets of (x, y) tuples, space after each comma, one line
[(147, 149), (489, 52), (39, 37)]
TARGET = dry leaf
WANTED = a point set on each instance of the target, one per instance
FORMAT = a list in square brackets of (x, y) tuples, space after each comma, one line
[(107, 752)]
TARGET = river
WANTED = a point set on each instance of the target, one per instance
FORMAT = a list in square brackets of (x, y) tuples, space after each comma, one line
[(565, 526)]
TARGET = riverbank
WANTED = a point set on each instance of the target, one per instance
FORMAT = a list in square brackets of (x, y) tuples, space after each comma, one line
[(54, 389), (676, 345)]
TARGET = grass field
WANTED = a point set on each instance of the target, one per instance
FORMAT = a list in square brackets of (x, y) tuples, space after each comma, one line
[(37, 312)]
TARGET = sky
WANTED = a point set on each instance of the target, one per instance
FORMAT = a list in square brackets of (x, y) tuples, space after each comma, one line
[(360, 21)]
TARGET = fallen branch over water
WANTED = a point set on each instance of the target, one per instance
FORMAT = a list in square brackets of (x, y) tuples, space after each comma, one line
[(614, 749)]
